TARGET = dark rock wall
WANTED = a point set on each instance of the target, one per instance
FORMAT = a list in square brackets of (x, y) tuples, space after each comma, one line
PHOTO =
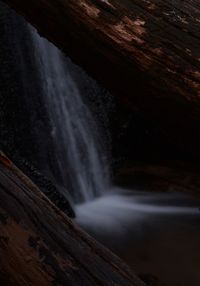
[(22, 110)]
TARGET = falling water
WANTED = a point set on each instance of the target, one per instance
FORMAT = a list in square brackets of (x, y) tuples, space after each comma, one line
[(74, 132), (148, 230), (73, 128)]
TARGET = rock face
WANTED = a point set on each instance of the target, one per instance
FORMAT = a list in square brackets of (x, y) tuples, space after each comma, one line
[(39, 245), (46, 186), (166, 176), (22, 108), (145, 53)]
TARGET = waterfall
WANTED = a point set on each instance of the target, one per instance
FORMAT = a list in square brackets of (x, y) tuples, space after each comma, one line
[(148, 230), (74, 133), (156, 233), (74, 130)]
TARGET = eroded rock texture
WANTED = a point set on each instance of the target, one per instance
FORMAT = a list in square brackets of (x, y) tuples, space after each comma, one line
[(41, 246)]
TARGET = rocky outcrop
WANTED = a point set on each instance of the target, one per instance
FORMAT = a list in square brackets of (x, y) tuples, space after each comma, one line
[(39, 245), (59, 198)]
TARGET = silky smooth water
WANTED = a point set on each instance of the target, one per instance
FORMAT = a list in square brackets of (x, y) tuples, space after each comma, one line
[(73, 127), (155, 233)]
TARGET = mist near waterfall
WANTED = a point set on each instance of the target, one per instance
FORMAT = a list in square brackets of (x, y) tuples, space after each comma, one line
[(120, 211)]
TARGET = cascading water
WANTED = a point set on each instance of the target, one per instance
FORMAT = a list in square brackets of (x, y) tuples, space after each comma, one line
[(74, 133), (73, 128), (126, 221), (156, 233)]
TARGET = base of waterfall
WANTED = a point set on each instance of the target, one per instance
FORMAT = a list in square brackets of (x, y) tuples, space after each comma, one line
[(156, 233)]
